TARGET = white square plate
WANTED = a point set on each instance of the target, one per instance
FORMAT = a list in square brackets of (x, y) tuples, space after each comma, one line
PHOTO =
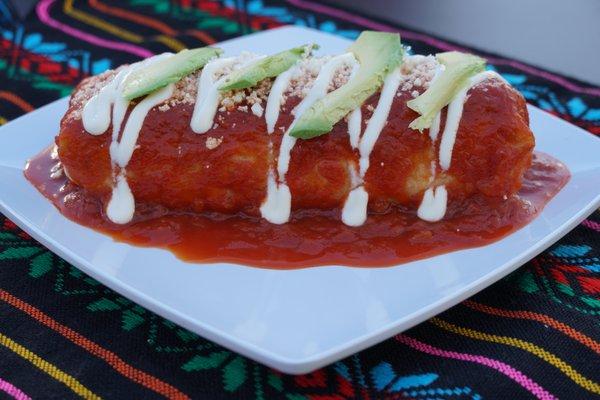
[(298, 320)]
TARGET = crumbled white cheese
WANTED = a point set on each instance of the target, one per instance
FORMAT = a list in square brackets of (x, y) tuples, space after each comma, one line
[(213, 142), (257, 110)]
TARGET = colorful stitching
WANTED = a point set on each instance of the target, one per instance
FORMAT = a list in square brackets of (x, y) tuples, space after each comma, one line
[(43, 12), (12, 390), (116, 30), (109, 357), (499, 366), (544, 319), (523, 345), (48, 368), (16, 100)]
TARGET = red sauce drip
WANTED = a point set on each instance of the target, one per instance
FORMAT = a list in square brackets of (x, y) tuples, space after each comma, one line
[(311, 238)]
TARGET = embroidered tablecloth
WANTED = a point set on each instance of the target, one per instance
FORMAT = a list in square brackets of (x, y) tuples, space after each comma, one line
[(535, 334)]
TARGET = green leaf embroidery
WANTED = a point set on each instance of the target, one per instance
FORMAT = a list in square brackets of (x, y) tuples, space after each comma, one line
[(40, 265), (590, 301), (275, 381), (64, 90), (234, 374), (565, 289), (19, 252), (7, 236), (103, 304), (198, 363), (296, 397), (160, 6), (75, 273), (527, 282), (123, 301), (186, 335), (91, 281), (130, 320)]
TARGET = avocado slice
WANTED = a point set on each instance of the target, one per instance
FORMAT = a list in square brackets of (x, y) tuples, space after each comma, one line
[(459, 68), (163, 72), (378, 53), (266, 68)]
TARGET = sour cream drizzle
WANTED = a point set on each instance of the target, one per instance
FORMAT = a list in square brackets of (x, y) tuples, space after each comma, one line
[(354, 127), (455, 109), (434, 203), (435, 200), (378, 119), (208, 96), (96, 115), (121, 206), (277, 206), (275, 98), (122, 150), (355, 117), (316, 92), (96, 112), (207, 99), (96, 119), (354, 212)]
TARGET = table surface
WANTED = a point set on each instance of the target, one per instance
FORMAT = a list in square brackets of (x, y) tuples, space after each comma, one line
[(534, 334), (556, 35)]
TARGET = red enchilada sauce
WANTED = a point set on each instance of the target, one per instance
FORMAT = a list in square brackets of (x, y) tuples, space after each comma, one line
[(311, 238)]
